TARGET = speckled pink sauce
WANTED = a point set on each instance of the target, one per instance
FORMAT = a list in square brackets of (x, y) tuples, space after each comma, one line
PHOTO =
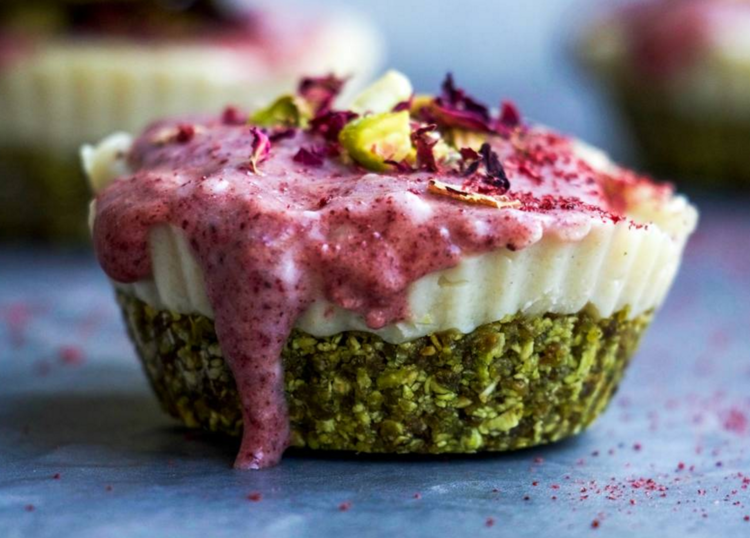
[(271, 243)]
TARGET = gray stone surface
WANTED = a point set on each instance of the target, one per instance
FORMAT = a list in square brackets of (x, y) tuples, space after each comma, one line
[(73, 401)]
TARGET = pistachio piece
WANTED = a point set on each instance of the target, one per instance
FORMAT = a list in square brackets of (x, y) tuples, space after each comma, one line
[(106, 161), (374, 140), (383, 94), (420, 102), (439, 188), (286, 111), (461, 138)]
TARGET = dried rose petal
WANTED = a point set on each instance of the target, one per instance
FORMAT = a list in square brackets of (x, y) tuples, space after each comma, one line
[(233, 116), (509, 115), (320, 92), (425, 145), (261, 148), (468, 154), (281, 133), (330, 124), (454, 108), (495, 173), (402, 167), (185, 133), (404, 105), (310, 156)]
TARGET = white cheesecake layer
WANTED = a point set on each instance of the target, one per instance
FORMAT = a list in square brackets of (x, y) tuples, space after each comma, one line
[(611, 267), (68, 93)]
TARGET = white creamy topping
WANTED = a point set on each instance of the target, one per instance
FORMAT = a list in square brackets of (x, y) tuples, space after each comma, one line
[(68, 93), (609, 267)]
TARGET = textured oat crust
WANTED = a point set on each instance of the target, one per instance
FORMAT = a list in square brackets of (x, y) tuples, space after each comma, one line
[(43, 197), (519, 382)]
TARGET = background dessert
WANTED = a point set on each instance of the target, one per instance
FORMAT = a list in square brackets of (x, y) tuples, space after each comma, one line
[(678, 70), (408, 274), (73, 71)]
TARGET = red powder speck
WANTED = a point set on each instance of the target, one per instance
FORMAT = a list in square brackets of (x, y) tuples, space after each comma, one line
[(185, 133), (17, 318), (637, 446), (108, 488), (538, 459), (345, 506), (71, 355), (595, 524), (232, 116), (535, 483), (29, 508), (746, 518), (489, 522), (736, 421), (255, 497), (680, 466), (56, 476)]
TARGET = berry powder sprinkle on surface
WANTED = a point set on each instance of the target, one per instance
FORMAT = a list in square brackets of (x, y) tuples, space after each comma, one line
[(681, 410)]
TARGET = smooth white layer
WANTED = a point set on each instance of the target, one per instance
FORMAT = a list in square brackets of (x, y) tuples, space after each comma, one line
[(612, 267), (69, 93), (716, 83)]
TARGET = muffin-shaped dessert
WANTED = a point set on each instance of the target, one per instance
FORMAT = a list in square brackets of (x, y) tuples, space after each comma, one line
[(680, 72), (409, 274), (73, 71)]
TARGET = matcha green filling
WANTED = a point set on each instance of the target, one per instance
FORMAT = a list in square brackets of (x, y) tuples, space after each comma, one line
[(518, 382), (43, 196)]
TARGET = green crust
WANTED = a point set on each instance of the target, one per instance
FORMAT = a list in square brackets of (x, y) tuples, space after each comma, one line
[(515, 383), (703, 150), (44, 197)]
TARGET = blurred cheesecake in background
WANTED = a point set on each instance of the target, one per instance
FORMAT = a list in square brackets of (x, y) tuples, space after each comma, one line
[(73, 70), (680, 71)]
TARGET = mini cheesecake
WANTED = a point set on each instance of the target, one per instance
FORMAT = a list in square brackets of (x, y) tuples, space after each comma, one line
[(680, 72), (73, 71), (403, 274)]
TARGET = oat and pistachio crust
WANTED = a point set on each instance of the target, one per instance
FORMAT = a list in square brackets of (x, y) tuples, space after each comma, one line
[(515, 383)]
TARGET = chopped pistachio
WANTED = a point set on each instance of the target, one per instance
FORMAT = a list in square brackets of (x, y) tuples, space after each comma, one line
[(458, 193), (462, 138), (374, 140), (383, 94), (286, 111), (421, 101)]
